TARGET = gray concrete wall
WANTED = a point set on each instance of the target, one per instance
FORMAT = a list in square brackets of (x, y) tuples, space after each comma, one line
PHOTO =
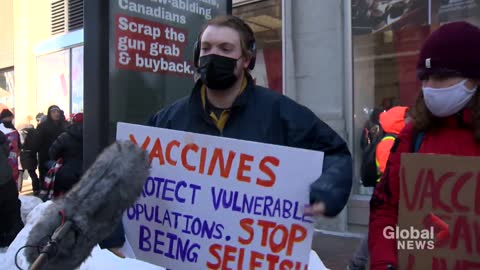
[(316, 70)]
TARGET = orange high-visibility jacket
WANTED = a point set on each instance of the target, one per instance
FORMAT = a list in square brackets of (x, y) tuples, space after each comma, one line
[(392, 122)]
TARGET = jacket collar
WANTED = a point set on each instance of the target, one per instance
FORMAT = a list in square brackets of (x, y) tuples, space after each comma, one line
[(463, 119), (203, 92)]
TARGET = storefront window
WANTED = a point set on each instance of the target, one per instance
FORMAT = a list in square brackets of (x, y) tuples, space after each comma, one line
[(53, 81), (60, 80), (77, 79), (265, 19), (7, 88), (387, 36)]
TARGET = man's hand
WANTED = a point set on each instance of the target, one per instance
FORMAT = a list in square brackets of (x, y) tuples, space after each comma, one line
[(317, 209)]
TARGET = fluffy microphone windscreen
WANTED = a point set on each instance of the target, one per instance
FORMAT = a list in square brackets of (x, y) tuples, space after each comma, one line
[(94, 205)]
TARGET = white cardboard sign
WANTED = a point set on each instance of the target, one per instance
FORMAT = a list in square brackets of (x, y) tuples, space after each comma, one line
[(219, 203)]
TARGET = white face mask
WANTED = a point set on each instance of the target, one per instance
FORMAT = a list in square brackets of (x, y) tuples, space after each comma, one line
[(444, 102)]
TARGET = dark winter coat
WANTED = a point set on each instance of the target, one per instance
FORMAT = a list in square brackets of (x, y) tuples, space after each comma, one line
[(47, 132), (11, 221), (262, 115), (5, 169), (28, 157), (69, 146)]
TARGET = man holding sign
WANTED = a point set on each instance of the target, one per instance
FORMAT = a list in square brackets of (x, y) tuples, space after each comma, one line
[(226, 102), (446, 121)]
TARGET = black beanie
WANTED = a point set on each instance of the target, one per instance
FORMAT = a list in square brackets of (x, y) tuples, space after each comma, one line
[(5, 113)]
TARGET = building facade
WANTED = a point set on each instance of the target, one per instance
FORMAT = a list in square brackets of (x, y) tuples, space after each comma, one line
[(39, 61), (7, 83), (342, 59)]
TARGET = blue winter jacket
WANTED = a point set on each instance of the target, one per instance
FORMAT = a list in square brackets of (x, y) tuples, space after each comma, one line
[(262, 115)]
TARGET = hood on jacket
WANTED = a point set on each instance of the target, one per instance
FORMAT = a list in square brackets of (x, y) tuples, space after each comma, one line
[(76, 131), (393, 120), (49, 111)]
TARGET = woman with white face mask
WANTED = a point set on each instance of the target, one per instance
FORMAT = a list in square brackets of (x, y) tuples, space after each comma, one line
[(445, 120)]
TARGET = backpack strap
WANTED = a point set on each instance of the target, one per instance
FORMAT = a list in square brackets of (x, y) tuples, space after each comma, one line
[(417, 141)]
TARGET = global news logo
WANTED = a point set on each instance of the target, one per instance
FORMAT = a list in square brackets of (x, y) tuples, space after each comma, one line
[(411, 238)]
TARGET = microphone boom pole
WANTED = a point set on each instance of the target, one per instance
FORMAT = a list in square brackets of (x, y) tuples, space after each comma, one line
[(51, 248), (90, 210)]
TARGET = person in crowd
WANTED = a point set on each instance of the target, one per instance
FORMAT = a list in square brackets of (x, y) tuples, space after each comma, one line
[(40, 117), (13, 139), (45, 135), (28, 157), (69, 147), (391, 123), (7, 117), (445, 120), (62, 116), (371, 128), (11, 222), (225, 102)]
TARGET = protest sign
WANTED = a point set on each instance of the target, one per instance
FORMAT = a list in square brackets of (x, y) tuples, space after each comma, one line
[(439, 213), (151, 52), (221, 203)]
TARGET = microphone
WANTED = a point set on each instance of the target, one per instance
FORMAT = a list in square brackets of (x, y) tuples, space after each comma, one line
[(90, 210)]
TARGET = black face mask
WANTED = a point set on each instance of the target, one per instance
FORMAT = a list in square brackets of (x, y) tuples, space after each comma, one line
[(8, 124), (217, 72)]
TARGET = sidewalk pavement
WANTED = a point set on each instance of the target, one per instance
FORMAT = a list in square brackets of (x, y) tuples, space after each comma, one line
[(334, 250)]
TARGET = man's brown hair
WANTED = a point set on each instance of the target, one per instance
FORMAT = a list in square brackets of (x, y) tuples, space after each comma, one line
[(247, 39)]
